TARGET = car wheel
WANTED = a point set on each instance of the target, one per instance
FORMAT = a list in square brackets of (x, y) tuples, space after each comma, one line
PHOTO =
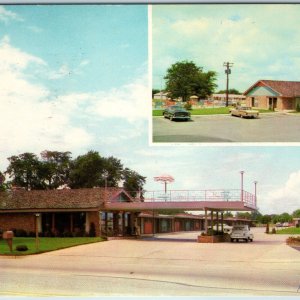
[(251, 240), (231, 240), (171, 118), (246, 240), (164, 115)]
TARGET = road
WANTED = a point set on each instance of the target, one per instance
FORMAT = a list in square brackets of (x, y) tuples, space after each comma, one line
[(158, 267), (270, 127)]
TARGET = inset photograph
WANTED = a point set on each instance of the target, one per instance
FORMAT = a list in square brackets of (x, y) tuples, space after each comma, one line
[(225, 73)]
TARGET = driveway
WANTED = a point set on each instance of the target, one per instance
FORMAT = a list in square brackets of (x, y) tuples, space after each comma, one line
[(158, 267), (269, 127)]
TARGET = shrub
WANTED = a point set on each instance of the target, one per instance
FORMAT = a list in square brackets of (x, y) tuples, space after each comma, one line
[(188, 106), (67, 234), (298, 107), (31, 234), (21, 248), (20, 233), (273, 230)]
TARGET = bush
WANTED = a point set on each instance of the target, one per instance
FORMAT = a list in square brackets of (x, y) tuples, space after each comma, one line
[(297, 225), (21, 248), (31, 234), (67, 234), (298, 107), (273, 230), (20, 233), (188, 106)]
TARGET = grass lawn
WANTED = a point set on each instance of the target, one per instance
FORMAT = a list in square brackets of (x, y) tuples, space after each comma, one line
[(206, 111), (289, 230), (45, 244)]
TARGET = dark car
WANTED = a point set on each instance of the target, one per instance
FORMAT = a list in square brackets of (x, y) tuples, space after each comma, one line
[(176, 112)]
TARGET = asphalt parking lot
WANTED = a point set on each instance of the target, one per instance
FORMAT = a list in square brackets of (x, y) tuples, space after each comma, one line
[(269, 127), (167, 265)]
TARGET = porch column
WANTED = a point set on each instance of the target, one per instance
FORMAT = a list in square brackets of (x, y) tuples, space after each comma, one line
[(212, 221), (53, 223), (116, 223), (205, 222), (217, 221), (106, 223), (222, 220), (71, 223), (87, 222), (123, 223)]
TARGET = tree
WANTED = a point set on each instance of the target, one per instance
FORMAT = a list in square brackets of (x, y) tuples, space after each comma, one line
[(184, 79), (55, 168), (23, 169), (2, 182), (154, 91), (133, 182), (296, 213), (87, 170), (114, 171), (230, 91)]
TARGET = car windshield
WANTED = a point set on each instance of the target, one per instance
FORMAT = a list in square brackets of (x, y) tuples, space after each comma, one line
[(245, 108), (239, 228), (176, 107)]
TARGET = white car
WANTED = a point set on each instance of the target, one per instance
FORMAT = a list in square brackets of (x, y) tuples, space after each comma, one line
[(244, 112), (241, 232)]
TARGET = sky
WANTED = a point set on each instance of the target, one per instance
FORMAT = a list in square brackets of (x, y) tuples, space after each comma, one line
[(75, 78), (262, 41)]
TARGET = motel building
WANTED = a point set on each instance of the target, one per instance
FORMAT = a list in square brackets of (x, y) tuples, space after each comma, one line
[(274, 95), (114, 212)]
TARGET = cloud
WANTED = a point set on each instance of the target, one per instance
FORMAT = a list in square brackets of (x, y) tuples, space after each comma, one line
[(64, 70), (129, 102), (259, 46), (284, 198), (30, 119), (6, 16)]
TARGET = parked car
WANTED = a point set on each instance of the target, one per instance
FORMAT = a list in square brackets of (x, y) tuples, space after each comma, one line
[(278, 224), (244, 112), (241, 232), (176, 112)]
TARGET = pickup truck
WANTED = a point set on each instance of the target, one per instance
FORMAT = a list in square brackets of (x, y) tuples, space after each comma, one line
[(241, 232)]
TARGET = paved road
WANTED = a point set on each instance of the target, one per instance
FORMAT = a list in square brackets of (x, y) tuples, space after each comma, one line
[(158, 268), (272, 127)]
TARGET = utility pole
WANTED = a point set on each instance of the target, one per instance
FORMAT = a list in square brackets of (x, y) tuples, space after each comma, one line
[(228, 65)]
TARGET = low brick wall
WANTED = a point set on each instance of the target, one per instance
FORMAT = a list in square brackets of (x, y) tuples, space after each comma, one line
[(210, 239)]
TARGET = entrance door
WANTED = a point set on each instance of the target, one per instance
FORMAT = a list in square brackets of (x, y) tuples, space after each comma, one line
[(272, 103)]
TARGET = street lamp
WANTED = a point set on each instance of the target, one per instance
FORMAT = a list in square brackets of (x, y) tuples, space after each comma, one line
[(242, 185), (255, 183), (36, 231)]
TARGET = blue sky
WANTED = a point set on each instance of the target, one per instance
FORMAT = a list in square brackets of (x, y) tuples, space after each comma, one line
[(75, 78), (263, 41)]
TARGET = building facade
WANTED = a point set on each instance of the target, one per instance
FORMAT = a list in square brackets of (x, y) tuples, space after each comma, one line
[(274, 95)]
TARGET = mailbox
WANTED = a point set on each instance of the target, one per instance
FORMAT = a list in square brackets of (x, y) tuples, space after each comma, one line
[(8, 236)]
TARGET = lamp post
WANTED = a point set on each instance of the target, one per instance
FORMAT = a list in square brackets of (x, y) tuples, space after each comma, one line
[(37, 231), (242, 185), (255, 184)]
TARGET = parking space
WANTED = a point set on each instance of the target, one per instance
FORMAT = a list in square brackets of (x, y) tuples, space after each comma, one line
[(270, 127), (148, 267)]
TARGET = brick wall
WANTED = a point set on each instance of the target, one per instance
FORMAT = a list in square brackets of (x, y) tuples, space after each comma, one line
[(24, 221), (93, 217)]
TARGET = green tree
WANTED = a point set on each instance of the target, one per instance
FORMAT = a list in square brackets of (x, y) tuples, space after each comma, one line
[(133, 182), (2, 182), (184, 79), (230, 91), (114, 171), (55, 168), (23, 170), (296, 213), (154, 91), (87, 170)]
